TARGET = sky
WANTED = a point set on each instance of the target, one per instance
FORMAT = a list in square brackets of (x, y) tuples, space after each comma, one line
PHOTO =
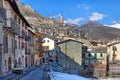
[(106, 12)]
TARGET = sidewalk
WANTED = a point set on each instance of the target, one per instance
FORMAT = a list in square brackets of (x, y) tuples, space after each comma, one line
[(10, 75), (6, 76)]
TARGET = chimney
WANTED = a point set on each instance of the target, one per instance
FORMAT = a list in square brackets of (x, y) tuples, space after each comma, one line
[(61, 19)]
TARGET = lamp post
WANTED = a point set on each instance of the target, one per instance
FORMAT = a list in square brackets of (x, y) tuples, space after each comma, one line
[(114, 55)]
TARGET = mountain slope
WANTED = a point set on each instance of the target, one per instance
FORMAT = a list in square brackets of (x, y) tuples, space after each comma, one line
[(96, 31)]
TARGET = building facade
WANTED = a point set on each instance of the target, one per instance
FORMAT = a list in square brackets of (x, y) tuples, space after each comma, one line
[(113, 51), (70, 55), (14, 30), (50, 50), (39, 48), (95, 61)]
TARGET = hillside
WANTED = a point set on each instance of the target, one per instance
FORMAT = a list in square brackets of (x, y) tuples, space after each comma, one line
[(93, 30), (96, 31)]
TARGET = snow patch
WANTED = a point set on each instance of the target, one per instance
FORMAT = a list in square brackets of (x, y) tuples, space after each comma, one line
[(65, 76)]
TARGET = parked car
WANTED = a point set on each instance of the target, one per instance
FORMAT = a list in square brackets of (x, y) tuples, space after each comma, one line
[(18, 68)]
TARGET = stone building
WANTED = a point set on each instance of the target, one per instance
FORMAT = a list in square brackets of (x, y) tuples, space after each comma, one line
[(14, 28), (70, 55)]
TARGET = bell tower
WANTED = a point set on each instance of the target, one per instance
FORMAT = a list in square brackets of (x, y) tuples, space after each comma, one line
[(61, 19)]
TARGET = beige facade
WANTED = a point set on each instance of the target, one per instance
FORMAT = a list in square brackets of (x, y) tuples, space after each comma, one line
[(114, 54)]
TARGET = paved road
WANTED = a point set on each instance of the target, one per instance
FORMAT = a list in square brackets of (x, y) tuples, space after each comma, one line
[(38, 74)]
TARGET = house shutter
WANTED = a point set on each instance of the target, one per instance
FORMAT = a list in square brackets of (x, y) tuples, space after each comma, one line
[(95, 55), (101, 54)]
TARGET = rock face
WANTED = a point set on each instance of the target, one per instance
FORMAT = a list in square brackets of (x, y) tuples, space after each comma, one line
[(31, 15)]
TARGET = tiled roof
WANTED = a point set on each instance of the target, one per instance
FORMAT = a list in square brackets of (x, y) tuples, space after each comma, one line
[(98, 50)]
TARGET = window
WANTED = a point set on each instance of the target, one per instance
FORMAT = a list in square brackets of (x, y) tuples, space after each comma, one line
[(15, 17), (89, 55), (92, 62), (13, 45), (101, 55), (22, 24), (86, 62), (5, 44), (95, 55), (19, 20)]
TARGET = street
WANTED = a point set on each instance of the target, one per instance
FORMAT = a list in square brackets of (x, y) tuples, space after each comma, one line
[(33, 73), (40, 73)]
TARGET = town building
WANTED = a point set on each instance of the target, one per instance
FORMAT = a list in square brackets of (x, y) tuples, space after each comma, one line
[(70, 55), (39, 48), (50, 49), (95, 60), (14, 28), (113, 56), (30, 57), (113, 51)]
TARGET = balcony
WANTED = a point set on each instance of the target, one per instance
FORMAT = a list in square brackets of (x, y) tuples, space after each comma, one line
[(12, 26), (19, 52)]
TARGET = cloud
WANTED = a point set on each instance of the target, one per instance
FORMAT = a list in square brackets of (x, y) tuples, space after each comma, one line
[(115, 25), (74, 21), (96, 16), (84, 6), (118, 21)]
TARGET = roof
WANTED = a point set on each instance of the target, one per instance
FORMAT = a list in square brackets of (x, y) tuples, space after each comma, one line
[(98, 50), (51, 37), (14, 6), (68, 40), (110, 44)]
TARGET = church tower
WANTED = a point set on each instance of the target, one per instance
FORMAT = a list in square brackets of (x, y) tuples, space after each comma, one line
[(61, 19)]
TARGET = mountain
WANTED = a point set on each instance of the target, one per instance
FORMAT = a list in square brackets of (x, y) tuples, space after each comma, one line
[(93, 30), (31, 15), (99, 32)]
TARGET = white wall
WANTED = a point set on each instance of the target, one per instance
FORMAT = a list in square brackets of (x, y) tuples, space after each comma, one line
[(49, 42)]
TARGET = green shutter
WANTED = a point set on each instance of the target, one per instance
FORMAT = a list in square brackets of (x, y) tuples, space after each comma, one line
[(101, 54), (95, 55)]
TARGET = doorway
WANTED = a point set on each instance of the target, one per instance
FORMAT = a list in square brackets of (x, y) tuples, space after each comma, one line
[(9, 64)]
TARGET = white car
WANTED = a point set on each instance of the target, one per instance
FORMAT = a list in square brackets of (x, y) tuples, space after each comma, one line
[(18, 68)]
